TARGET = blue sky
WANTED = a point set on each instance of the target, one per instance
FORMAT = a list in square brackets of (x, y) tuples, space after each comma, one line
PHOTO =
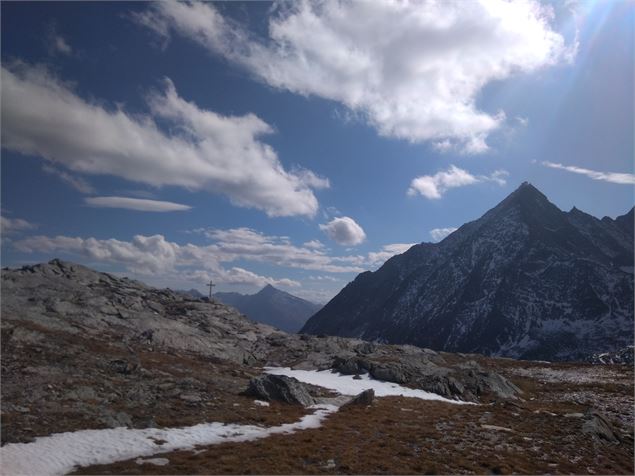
[(298, 143)]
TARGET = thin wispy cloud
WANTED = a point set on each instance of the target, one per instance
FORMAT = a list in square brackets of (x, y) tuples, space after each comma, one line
[(434, 186), (78, 183), (612, 177), (221, 154), (14, 225), (138, 204), (56, 43), (412, 70)]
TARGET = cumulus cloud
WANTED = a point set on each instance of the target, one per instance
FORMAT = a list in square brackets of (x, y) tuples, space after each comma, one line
[(152, 255), (248, 244), (155, 256), (14, 225), (344, 231), (204, 150), (437, 234), (139, 204), (388, 251), (77, 183), (314, 244), (413, 70), (612, 177), (434, 186)]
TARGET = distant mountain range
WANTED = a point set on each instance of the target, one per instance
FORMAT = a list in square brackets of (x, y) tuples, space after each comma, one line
[(526, 280), (272, 306)]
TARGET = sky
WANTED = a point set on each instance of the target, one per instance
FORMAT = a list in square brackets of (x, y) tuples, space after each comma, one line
[(299, 143)]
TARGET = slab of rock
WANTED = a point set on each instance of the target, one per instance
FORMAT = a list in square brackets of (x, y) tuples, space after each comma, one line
[(280, 388), (599, 426), (363, 399)]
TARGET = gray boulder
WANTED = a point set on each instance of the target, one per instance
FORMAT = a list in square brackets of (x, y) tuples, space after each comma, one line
[(280, 388), (599, 426), (363, 399)]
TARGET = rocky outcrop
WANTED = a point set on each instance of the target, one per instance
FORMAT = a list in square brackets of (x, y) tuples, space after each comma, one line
[(467, 381), (623, 356), (280, 388)]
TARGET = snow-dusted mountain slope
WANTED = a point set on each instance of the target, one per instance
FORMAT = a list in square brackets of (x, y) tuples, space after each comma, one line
[(526, 280)]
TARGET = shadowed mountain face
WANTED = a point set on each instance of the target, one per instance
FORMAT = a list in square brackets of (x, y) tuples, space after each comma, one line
[(526, 280), (272, 306)]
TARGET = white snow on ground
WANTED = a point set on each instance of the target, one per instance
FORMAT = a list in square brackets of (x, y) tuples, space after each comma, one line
[(347, 385), (60, 453), (155, 461), (260, 403)]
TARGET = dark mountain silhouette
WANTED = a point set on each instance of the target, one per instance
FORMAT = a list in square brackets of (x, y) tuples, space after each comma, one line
[(526, 280), (272, 306)]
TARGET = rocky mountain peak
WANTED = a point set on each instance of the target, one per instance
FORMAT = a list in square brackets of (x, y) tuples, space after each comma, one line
[(268, 290), (524, 280)]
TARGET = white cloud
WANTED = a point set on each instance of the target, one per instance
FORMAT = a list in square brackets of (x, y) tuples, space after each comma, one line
[(14, 225), (152, 255), (314, 244), (438, 234), (324, 278), (56, 43), (247, 244), (61, 46), (238, 275), (412, 69), (612, 177), (388, 251), (77, 183), (204, 151), (434, 186), (139, 204), (344, 231)]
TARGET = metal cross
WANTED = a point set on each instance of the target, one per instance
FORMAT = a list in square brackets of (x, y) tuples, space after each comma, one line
[(210, 286)]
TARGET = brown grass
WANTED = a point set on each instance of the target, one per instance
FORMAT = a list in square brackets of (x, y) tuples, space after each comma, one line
[(408, 436)]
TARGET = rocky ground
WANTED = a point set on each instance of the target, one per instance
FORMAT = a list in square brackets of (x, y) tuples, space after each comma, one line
[(82, 349)]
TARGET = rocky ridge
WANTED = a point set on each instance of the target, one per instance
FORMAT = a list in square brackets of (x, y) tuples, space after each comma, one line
[(100, 347), (82, 349)]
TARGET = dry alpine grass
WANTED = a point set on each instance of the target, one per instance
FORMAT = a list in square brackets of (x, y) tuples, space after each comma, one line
[(407, 436)]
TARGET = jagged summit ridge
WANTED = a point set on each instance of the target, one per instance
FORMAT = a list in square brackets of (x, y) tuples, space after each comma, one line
[(524, 280)]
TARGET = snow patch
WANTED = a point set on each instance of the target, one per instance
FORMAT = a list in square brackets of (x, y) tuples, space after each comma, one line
[(155, 461), (260, 403), (61, 453), (347, 385)]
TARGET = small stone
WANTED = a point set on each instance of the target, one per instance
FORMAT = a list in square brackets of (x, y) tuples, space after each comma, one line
[(190, 397), (496, 428)]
